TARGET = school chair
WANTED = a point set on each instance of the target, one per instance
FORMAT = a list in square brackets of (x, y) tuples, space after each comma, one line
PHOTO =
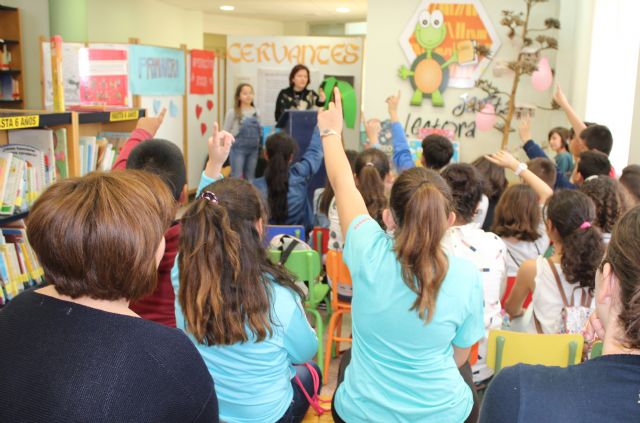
[(319, 239), (596, 349), (507, 348), (292, 230), (305, 266), (338, 273)]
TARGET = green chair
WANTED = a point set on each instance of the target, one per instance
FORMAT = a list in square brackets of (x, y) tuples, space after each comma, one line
[(306, 266), (596, 349)]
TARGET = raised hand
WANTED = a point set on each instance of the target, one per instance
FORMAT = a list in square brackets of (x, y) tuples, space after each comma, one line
[(559, 97), (372, 127), (503, 159), (219, 145), (524, 129), (151, 124), (392, 105), (331, 120)]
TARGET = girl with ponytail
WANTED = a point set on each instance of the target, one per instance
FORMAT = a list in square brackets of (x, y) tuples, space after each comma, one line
[(578, 249), (243, 313), (413, 307), (371, 171), (284, 186)]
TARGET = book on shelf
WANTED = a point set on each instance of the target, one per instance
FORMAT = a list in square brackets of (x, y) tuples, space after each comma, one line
[(44, 141), (19, 265), (100, 152), (60, 151)]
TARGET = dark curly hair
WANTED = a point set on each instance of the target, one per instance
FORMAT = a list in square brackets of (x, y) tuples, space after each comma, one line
[(495, 180), (630, 179), (518, 214), (609, 197), (466, 188), (623, 255), (582, 248)]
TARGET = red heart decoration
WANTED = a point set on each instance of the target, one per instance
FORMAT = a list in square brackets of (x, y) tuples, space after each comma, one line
[(203, 128), (198, 111), (209, 104)]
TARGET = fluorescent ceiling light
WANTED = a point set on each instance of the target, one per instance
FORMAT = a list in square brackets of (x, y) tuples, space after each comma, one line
[(227, 8), (343, 10)]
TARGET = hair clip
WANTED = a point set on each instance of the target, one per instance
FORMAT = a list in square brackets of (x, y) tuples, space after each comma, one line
[(209, 196), (585, 225), (369, 164)]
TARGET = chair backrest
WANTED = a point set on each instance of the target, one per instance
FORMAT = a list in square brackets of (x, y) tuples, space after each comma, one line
[(506, 348), (338, 272), (294, 230), (319, 239), (304, 264), (596, 349)]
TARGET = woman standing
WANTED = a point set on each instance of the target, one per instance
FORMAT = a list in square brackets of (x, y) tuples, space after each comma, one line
[(298, 96)]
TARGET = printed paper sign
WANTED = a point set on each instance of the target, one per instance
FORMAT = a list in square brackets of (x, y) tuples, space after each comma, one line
[(156, 71), (103, 77), (201, 78)]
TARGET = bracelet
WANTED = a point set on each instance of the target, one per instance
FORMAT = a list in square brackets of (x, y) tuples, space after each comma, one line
[(327, 132), (521, 168)]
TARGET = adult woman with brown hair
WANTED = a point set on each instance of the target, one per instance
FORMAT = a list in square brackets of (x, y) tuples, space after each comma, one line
[(298, 96), (598, 390), (73, 350)]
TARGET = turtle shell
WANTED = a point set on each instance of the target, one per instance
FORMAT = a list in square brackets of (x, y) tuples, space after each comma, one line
[(427, 72)]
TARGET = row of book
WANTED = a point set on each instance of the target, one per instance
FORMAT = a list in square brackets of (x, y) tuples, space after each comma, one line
[(100, 152), (19, 266)]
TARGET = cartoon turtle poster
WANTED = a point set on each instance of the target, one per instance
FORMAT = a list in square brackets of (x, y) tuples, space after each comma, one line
[(429, 71)]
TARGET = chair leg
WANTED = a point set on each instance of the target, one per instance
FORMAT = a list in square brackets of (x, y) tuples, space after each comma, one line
[(339, 332), (330, 334), (319, 334)]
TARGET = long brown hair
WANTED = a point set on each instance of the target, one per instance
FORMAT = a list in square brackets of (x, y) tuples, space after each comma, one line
[(420, 202), (225, 274), (371, 167), (518, 214), (236, 100)]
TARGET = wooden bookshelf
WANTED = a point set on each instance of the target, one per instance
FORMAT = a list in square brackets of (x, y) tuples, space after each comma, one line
[(11, 39)]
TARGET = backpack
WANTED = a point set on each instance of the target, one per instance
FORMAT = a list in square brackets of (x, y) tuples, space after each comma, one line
[(286, 244), (574, 317)]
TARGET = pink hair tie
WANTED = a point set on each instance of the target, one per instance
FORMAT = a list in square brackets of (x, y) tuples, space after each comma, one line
[(585, 225)]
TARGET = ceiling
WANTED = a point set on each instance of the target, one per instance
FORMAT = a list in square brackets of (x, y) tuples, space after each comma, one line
[(282, 10)]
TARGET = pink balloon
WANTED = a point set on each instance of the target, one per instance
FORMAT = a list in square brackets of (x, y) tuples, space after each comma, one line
[(486, 118), (542, 78)]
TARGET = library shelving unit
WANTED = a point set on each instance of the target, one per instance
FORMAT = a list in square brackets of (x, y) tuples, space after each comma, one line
[(77, 124), (11, 42)]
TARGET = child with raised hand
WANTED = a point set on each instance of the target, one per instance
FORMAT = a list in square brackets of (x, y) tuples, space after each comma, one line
[(610, 200), (243, 313), (568, 275), (518, 216), (243, 122), (413, 307)]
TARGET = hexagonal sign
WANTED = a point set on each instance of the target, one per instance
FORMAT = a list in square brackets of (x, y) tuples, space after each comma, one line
[(439, 44)]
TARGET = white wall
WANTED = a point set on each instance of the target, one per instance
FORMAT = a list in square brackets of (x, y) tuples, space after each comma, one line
[(387, 20), (634, 149), (234, 25), (35, 22), (151, 21)]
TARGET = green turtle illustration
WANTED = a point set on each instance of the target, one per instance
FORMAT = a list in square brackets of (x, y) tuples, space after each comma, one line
[(429, 74)]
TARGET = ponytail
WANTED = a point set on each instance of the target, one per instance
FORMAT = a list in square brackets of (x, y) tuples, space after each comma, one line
[(420, 203), (280, 149), (225, 274), (572, 214), (371, 167)]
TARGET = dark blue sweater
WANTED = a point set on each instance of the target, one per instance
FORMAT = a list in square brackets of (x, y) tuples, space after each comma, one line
[(63, 362), (605, 389)]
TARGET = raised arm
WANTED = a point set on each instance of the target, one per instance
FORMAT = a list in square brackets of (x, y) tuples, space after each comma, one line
[(576, 123), (506, 160), (401, 153), (311, 160), (146, 129), (218, 145), (348, 199)]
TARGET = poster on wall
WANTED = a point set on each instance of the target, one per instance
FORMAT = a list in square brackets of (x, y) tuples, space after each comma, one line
[(267, 61), (103, 77), (201, 72), (156, 70), (439, 43), (70, 73), (202, 110), (173, 124)]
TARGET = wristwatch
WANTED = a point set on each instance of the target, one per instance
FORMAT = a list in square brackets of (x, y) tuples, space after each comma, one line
[(327, 132), (521, 168)]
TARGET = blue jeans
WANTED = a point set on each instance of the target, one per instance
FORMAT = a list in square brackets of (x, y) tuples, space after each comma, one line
[(243, 163), (299, 403)]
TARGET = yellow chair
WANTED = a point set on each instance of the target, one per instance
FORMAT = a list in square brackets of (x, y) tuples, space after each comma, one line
[(509, 348)]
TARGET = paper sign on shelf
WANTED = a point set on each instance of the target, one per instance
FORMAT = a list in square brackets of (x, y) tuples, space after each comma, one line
[(19, 122), (123, 115)]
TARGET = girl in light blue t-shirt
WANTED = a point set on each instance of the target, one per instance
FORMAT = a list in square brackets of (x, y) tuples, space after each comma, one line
[(243, 313), (415, 311)]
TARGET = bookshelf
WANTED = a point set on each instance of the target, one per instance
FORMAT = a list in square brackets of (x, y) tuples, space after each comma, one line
[(11, 71)]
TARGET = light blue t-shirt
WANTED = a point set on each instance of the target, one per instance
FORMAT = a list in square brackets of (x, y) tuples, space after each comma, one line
[(402, 369), (253, 379)]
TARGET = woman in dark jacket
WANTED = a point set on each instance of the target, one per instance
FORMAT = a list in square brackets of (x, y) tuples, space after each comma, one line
[(298, 96)]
